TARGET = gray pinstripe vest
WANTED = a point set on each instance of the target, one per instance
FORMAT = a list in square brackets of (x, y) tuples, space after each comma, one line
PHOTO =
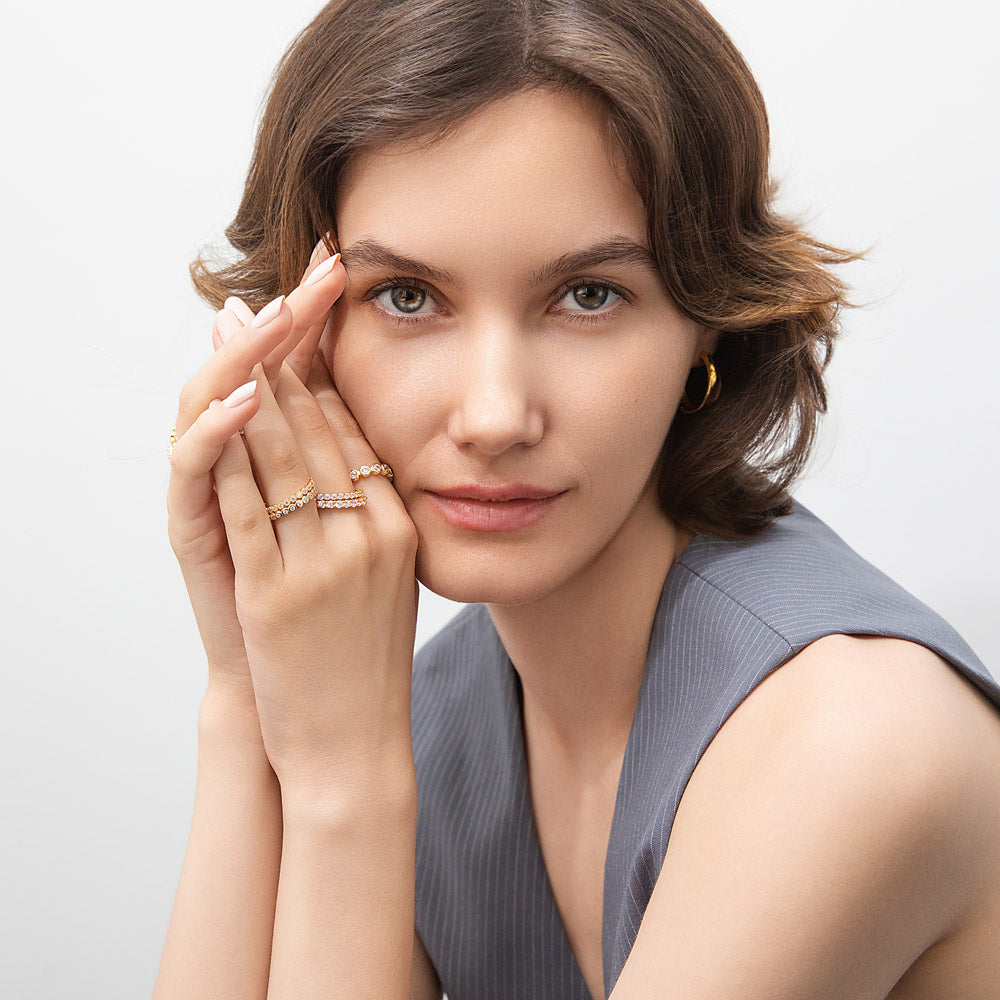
[(730, 614)]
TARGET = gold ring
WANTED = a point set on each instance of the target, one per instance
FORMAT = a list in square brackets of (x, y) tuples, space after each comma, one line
[(292, 503), (341, 501), (379, 469), (170, 447)]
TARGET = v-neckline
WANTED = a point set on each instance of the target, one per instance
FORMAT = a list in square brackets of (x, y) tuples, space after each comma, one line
[(527, 811), (532, 836)]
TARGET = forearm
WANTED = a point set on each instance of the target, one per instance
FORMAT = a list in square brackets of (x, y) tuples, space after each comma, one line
[(219, 940), (344, 919)]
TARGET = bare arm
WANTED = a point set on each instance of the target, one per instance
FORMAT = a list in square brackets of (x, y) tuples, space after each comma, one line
[(298, 879), (219, 940), (832, 833), (327, 603), (344, 921)]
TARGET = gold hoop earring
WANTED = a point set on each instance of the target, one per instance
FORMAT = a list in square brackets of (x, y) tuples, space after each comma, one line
[(713, 386)]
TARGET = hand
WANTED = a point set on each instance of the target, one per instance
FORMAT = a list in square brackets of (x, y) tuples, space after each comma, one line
[(195, 526), (326, 598)]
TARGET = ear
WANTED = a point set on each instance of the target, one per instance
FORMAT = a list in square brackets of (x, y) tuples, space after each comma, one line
[(706, 342)]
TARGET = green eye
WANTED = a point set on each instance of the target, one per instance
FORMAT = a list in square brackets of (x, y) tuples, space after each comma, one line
[(407, 299), (588, 297), (591, 296)]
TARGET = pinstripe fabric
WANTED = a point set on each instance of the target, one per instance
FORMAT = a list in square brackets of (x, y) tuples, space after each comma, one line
[(729, 614)]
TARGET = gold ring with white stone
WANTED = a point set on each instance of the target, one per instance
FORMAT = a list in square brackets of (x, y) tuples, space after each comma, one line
[(170, 447), (378, 469), (341, 501), (292, 503)]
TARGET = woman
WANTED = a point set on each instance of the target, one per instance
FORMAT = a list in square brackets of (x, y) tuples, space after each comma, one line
[(536, 328)]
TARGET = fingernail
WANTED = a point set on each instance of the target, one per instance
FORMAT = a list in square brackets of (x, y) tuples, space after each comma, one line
[(240, 395), (238, 307), (322, 270), (227, 323), (269, 312)]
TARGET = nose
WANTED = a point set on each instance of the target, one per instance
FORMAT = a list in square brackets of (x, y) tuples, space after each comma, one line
[(494, 408)]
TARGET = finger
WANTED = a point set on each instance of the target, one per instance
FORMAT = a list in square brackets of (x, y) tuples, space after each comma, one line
[(252, 542), (196, 529), (282, 474), (240, 310), (199, 448), (323, 270), (322, 285), (319, 446), (236, 314), (310, 304), (351, 440), (230, 319), (232, 364)]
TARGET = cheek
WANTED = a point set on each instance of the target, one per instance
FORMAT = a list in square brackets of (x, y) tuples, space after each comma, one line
[(623, 410), (381, 387), (363, 382)]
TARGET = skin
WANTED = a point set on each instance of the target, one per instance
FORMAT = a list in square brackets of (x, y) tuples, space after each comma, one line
[(520, 375), (501, 375)]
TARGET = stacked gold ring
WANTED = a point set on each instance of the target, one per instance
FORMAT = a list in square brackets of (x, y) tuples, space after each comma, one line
[(292, 503), (341, 501), (378, 469), (170, 447)]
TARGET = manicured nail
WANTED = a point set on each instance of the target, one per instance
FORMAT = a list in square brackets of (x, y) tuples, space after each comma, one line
[(269, 312), (322, 270), (240, 395), (227, 323), (236, 305)]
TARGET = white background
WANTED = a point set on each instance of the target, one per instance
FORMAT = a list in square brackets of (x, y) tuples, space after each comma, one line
[(127, 130)]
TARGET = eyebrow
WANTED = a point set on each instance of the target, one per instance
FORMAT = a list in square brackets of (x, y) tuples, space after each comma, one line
[(371, 253), (617, 250)]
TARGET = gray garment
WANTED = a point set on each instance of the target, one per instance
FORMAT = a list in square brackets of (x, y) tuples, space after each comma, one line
[(730, 614)]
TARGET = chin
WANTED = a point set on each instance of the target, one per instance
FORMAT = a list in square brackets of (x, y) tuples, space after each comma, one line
[(485, 581)]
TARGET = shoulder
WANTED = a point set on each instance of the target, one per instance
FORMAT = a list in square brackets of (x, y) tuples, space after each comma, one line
[(800, 579), (880, 732), (879, 714), (764, 599), (844, 809)]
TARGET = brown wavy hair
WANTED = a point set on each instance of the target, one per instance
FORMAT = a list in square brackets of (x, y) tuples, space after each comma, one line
[(686, 112)]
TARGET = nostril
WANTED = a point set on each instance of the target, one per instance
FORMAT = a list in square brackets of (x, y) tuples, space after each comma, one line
[(495, 407), (494, 429)]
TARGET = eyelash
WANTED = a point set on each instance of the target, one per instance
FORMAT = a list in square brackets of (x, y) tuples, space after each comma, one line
[(576, 316), (398, 281), (590, 315)]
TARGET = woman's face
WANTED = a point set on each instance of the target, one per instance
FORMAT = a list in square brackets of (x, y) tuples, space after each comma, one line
[(508, 347)]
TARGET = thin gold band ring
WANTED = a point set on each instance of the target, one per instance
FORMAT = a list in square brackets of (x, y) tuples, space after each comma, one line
[(378, 469), (341, 501), (292, 503)]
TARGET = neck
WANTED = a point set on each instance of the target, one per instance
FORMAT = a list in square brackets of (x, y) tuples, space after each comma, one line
[(580, 652)]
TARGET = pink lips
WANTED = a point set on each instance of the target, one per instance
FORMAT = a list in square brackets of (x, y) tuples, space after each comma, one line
[(493, 507)]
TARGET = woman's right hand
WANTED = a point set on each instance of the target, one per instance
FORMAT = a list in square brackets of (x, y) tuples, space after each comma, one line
[(195, 526)]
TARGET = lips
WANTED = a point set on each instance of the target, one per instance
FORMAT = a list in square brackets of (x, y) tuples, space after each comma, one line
[(493, 506)]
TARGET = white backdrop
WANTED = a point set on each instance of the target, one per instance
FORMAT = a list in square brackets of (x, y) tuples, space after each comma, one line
[(127, 130)]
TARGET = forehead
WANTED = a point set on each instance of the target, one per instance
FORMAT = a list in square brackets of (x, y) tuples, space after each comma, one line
[(526, 176)]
